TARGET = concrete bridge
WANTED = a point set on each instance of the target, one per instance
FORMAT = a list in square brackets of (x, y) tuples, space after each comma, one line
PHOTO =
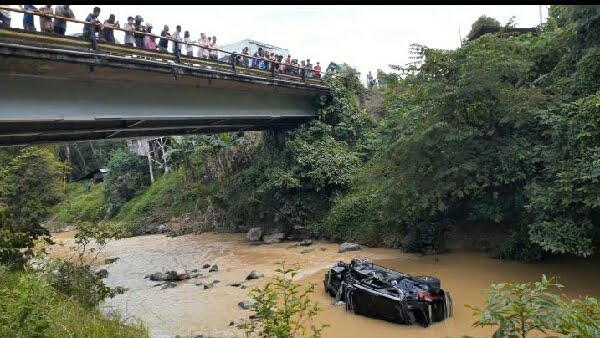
[(56, 89)]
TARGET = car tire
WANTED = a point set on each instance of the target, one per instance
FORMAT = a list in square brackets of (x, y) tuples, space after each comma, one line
[(429, 281), (438, 312)]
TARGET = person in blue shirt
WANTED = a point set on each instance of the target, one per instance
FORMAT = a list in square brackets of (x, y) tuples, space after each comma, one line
[(89, 30), (28, 23)]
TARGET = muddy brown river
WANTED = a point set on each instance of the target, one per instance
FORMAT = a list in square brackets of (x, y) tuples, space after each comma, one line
[(189, 310)]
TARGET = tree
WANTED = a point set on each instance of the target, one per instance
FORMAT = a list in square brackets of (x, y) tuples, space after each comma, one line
[(127, 175), (283, 309), (481, 22), (29, 185)]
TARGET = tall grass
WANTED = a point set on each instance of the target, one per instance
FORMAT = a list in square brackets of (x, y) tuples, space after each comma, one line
[(31, 307)]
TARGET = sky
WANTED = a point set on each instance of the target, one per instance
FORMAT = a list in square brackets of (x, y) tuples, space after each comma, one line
[(365, 37)]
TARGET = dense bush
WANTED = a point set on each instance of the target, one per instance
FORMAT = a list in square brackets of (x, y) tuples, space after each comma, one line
[(518, 309), (127, 174), (30, 184)]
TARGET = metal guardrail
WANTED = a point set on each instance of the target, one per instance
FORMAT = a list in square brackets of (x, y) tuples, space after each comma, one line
[(178, 58)]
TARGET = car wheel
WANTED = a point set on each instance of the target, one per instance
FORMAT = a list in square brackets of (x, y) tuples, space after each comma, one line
[(429, 281), (438, 312)]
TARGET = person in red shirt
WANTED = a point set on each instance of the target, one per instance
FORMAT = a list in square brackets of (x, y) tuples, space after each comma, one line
[(317, 72)]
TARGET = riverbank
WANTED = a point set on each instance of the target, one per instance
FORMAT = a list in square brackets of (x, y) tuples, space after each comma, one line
[(189, 309)]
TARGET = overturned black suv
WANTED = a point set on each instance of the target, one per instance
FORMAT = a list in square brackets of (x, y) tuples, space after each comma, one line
[(374, 291)]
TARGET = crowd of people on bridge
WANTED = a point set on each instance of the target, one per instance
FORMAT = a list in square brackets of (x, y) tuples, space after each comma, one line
[(135, 36)]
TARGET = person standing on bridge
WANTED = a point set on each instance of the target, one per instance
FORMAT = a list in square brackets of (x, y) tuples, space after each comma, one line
[(130, 28), (177, 42), (203, 50), (46, 22), (318, 70), (163, 43), (214, 54), (108, 28), (89, 29), (149, 41), (28, 23), (60, 25), (189, 48), (139, 29)]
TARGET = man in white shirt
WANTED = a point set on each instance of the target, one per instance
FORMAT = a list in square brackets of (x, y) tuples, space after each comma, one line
[(177, 43)]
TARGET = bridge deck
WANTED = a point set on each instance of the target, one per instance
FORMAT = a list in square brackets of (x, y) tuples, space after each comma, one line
[(55, 88)]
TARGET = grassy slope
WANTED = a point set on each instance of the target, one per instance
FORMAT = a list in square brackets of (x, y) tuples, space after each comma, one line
[(66, 316)]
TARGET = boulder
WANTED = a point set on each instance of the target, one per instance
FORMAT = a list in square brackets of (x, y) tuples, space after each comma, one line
[(208, 286), (305, 251), (254, 234), (194, 270), (214, 268), (235, 285), (102, 273), (157, 276), (345, 247), (111, 260), (244, 286), (254, 275), (168, 286), (216, 281), (182, 274), (306, 242), (274, 238), (199, 283), (246, 304), (206, 266)]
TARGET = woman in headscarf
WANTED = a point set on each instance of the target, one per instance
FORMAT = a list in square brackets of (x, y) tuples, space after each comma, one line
[(149, 41)]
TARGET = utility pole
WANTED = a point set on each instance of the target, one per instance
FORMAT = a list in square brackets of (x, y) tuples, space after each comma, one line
[(540, 15), (460, 37)]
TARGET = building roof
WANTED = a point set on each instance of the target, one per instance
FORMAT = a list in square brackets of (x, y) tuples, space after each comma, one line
[(261, 44), (340, 67)]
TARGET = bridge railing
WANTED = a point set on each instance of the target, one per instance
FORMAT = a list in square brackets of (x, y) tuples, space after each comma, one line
[(159, 55)]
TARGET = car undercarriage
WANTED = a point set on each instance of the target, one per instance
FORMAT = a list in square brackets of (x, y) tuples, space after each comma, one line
[(375, 291)]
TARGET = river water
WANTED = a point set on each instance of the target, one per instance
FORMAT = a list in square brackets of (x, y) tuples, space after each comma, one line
[(189, 310)]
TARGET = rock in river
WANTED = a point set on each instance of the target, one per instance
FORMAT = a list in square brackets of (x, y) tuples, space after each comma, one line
[(247, 304), (102, 273), (214, 268), (345, 247), (254, 234), (254, 275), (274, 238)]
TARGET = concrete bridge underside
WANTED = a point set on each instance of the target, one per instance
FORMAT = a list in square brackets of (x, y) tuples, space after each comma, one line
[(65, 96)]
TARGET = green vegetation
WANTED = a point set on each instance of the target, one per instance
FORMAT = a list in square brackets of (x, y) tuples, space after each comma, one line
[(163, 195), (520, 309), (283, 308), (128, 174), (500, 131), (84, 201), (481, 22), (31, 307), (30, 184)]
